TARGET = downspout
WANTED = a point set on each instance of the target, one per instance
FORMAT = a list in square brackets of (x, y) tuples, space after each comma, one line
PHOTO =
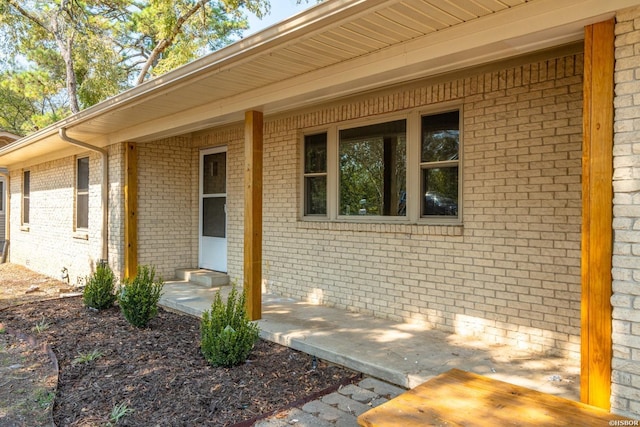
[(104, 188), (3, 250)]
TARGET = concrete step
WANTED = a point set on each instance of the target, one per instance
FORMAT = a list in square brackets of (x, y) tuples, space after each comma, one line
[(203, 277)]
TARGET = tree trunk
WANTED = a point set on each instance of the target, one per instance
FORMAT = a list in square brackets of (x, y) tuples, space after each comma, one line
[(72, 83)]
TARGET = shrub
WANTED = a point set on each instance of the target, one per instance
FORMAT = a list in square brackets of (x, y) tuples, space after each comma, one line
[(99, 292), (227, 335), (138, 298)]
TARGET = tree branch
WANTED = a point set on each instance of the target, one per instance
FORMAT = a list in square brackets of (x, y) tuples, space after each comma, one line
[(29, 16), (167, 41)]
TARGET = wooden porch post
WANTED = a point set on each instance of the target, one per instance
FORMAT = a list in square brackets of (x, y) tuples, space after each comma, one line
[(253, 213), (131, 210), (597, 214)]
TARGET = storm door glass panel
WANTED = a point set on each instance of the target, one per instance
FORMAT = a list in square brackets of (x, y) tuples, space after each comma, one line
[(214, 186), (213, 216), (214, 178)]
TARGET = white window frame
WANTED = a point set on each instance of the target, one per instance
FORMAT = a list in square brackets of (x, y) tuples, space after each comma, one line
[(84, 192), (3, 194), (413, 177), (28, 197)]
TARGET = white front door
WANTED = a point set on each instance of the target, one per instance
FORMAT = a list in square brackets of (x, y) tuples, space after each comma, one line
[(213, 209)]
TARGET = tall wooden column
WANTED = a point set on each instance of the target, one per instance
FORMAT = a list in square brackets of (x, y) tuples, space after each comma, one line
[(253, 213), (597, 214), (131, 209)]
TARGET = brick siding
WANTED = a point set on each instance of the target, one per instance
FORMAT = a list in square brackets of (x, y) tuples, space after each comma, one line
[(166, 205), (48, 243), (510, 274), (625, 395)]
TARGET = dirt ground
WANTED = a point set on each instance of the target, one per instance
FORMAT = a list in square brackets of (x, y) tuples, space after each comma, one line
[(19, 285), (111, 373)]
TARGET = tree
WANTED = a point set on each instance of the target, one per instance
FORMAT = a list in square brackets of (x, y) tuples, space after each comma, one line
[(61, 23), (28, 102), (89, 50)]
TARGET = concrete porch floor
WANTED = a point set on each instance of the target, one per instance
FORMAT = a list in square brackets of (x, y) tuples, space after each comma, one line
[(399, 353)]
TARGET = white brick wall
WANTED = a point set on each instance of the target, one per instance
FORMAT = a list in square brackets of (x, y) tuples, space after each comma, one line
[(48, 244), (166, 205), (625, 397), (511, 273), (116, 208)]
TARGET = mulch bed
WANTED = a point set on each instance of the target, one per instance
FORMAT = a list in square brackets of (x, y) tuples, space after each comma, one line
[(159, 372)]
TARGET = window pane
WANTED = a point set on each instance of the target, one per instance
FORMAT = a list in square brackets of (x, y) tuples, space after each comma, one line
[(83, 174), (440, 137), (82, 211), (26, 184), (1, 196), (315, 192), (372, 161), (440, 189), (315, 153), (25, 210), (214, 174), (213, 217)]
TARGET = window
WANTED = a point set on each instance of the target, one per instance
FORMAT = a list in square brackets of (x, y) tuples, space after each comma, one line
[(372, 169), (315, 174), (26, 195), (439, 169), (1, 195), (82, 192), (404, 170)]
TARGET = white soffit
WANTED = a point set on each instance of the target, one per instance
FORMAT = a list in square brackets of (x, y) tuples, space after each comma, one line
[(337, 48)]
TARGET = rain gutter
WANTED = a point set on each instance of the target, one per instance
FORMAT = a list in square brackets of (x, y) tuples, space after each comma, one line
[(62, 132)]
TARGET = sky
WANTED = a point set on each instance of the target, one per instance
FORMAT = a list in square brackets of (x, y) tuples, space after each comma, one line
[(280, 10)]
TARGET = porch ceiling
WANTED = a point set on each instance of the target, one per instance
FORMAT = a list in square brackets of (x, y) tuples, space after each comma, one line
[(334, 49)]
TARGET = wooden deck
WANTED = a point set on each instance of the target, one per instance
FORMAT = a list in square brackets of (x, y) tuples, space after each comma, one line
[(459, 398)]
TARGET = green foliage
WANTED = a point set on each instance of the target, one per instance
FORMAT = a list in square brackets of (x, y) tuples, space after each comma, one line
[(99, 293), (74, 54), (227, 335), (138, 298), (118, 412), (41, 326), (45, 398), (88, 357)]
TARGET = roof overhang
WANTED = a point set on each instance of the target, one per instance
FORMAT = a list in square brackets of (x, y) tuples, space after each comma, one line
[(335, 49)]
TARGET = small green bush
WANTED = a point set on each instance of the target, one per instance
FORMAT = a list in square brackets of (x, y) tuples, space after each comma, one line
[(138, 298), (227, 335), (99, 292)]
